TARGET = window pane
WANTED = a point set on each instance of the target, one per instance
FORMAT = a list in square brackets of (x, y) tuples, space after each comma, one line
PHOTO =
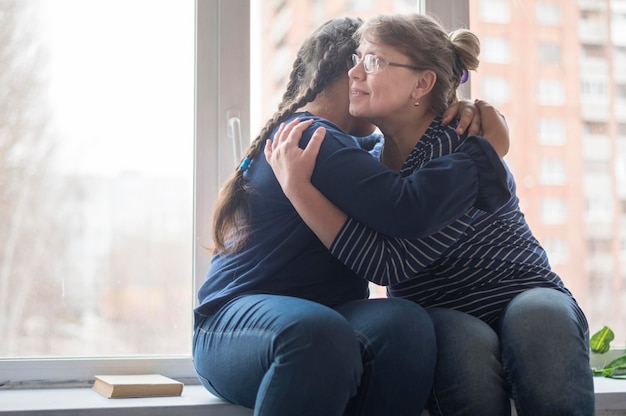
[(277, 31), (96, 159), (567, 150)]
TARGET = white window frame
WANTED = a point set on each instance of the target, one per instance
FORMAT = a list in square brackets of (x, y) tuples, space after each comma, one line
[(222, 86), (222, 101)]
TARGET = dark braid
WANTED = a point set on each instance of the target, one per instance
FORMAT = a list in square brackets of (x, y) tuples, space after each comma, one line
[(321, 60)]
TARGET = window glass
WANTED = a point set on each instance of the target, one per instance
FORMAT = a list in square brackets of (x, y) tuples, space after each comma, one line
[(548, 13), (495, 50), (552, 171), (571, 89), (494, 11), (553, 210), (96, 160), (495, 89), (551, 131), (550, 92), (549, 53)]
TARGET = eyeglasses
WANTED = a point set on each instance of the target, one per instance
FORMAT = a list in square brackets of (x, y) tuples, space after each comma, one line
[(372, 63)]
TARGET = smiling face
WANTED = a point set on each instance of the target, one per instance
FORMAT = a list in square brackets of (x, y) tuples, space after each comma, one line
[(386, 92)]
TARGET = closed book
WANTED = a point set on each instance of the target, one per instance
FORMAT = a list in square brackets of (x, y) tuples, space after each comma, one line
[(140, 385)]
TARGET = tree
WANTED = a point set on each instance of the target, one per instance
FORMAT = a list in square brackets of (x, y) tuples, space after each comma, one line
[(28, 233)]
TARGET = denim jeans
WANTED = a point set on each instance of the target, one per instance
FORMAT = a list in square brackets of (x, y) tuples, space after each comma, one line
[(538, 355), (287, 356)]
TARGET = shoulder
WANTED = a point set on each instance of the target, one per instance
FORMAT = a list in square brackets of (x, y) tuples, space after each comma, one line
[(333, 132), (442, 136)]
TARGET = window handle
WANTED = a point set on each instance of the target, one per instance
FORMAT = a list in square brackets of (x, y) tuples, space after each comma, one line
[(234, 134)]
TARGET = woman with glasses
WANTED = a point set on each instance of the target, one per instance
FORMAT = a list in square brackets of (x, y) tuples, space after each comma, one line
[(283, 327), (506, 325)]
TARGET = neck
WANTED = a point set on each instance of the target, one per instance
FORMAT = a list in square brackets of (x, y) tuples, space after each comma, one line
[(400, 142)]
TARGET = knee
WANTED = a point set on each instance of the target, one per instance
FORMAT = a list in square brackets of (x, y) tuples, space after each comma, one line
[(466, 345), (404, 320), (319, 339), (543, 312)]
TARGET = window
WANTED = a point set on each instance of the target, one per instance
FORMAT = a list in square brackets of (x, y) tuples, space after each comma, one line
[(553, 210), (99, 231), (548, 14), (223, 91), (598, 208), (557, 250), (495, 89), (595, 88), (552, 171), (494, 11), (549, 53), (103, 231), (551, 131), (550, 92), (495, 50)]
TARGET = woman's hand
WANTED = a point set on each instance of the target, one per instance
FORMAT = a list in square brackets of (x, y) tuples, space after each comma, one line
[(293, 168), (494, 127), (481, 119), (292, 165), (468, 115)]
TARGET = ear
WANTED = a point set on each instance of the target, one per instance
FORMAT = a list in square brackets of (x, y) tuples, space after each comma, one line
[(425, 83)]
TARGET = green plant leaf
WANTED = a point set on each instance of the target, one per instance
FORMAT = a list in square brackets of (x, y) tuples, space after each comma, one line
[(601, 341), (612, 369)]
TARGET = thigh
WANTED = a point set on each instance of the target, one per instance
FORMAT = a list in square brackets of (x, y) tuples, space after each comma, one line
[(469, 378), (545, 348), (399, 351), (257, 343)]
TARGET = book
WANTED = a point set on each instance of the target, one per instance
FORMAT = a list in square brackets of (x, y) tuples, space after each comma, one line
[(140, 385)]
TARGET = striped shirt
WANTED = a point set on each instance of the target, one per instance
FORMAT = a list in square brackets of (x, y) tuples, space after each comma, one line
[(475, 265)]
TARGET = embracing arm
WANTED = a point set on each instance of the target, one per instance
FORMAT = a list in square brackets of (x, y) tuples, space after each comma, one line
[(294, 172), (418, 205), (486, 121), (373, 256)]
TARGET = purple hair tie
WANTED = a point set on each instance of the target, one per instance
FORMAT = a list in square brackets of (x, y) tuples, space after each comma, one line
[(464, 76)]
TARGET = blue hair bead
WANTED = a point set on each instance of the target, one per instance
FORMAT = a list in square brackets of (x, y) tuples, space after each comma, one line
[(245, 164)]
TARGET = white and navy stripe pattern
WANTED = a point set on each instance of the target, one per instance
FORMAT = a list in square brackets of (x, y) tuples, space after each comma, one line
[(475, 265)]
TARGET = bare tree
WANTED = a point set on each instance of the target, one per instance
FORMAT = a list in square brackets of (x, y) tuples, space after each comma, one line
[(28, 234)]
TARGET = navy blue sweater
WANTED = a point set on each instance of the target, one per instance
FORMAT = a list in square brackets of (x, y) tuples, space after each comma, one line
[(283, 256)]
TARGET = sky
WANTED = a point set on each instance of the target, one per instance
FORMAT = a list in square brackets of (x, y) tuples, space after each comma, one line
[(121, 84)]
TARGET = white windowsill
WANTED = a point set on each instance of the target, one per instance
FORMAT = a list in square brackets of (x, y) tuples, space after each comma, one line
[(195, 400)]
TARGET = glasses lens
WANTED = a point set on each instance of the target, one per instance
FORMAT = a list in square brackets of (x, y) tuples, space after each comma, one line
[(355, 60), (370, 63)]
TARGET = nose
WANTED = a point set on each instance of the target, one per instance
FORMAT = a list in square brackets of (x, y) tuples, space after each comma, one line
[(357, 70)]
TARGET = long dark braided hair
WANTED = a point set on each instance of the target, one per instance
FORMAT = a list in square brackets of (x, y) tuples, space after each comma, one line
[(322, 59)]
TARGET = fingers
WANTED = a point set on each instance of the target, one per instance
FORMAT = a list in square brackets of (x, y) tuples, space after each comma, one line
[(286, 133), (469, 118), (494, 127), (489, 113), (475, 127), (450, 113), (291, 131), (313, 147)]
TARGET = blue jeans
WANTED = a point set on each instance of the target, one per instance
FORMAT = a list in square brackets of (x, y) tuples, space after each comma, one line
[(287, 356), (538, 355)]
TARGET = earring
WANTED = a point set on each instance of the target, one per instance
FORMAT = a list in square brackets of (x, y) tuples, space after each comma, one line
[(416, 103)]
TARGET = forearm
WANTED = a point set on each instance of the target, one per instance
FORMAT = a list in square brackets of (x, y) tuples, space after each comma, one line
[(386, 260), (317, 212)]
